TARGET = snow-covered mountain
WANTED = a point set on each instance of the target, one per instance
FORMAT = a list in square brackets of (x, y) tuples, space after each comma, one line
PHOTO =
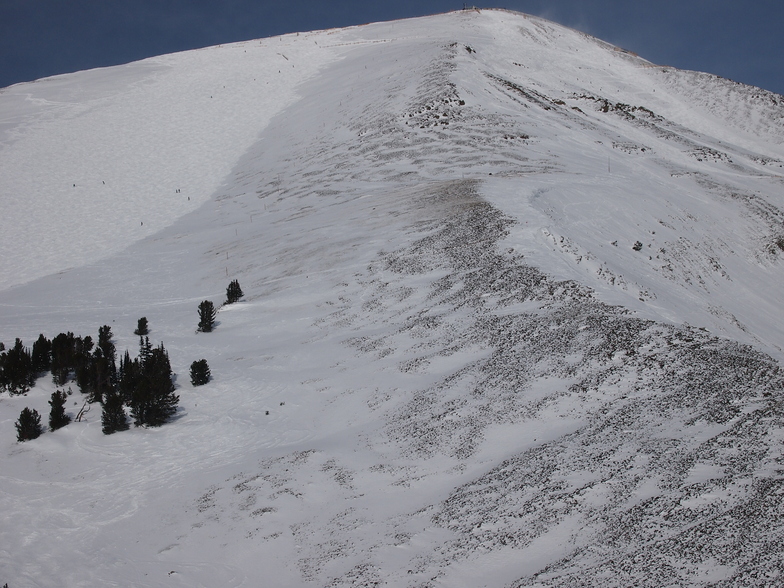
[(511, 314)]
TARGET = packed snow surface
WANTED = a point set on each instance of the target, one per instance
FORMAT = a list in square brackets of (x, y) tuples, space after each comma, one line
[(511, 314)]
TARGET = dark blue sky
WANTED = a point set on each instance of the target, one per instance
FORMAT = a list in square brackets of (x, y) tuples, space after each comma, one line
[(740, 39)]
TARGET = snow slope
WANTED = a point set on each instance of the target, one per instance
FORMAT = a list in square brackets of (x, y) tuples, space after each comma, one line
[(99, 159), (453, 366)]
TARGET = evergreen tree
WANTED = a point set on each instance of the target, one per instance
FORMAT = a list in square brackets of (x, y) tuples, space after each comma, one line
[(83, 346), (128, 376), (233, 292), (83, 363), (3, 379), (18, 374), (102, 367), (85, 376), (102, 376), (62, 357), (141, 327), (113, 417), (206, 316), (57, 416), (71, 355), (42, 355), (145, 349), (153, 400), (200, 372), (107, 347), (141, 400), (29, 425)]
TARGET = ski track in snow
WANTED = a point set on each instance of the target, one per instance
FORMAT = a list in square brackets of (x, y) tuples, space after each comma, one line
[(453, 365)]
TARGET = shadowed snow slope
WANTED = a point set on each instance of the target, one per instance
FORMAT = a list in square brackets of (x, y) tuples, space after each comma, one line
[(511, 314)]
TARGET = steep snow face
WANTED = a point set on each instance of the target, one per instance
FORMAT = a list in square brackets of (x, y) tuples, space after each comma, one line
[(469, 246)]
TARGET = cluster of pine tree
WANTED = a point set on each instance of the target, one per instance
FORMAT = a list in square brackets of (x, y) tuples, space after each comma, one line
[(67, 356), (29, 424), (16, 368), (143, 384)]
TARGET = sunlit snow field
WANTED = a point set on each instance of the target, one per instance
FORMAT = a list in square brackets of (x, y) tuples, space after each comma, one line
[(452, 365)]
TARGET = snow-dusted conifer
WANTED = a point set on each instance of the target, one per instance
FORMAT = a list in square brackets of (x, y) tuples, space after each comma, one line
[(145, 349)]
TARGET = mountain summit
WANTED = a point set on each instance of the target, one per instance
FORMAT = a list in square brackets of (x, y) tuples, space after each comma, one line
[(510, 314)]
